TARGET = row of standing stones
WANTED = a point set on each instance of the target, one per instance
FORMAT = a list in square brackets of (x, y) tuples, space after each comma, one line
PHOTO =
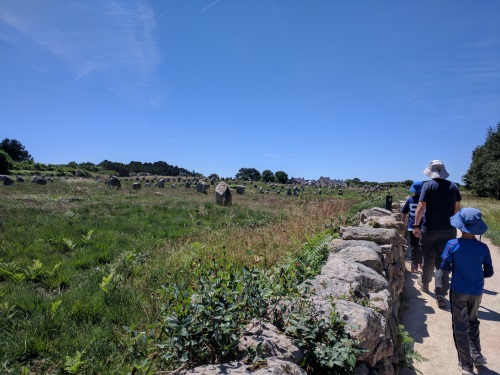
[(368, 261)]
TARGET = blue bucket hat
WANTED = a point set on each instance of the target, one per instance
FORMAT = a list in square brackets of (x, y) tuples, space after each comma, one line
[(416, 187), (469, 220)]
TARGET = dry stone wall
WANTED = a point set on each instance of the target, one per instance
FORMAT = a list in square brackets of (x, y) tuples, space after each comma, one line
[(366, 265)]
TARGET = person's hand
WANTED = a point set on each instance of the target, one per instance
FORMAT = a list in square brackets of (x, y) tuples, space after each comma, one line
[(416, 232)]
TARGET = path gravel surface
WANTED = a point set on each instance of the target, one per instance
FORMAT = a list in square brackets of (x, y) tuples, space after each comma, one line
[(431, 329)]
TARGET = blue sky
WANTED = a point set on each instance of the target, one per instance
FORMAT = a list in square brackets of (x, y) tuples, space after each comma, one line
[(366, 89)]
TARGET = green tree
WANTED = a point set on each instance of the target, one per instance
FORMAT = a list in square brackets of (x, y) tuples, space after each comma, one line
[(89, 166), (120, 168), (213, 176), (248, 174), (268, 176), (5, 162), (483, 176), (353, 182), (407, 183), (281, 177), (15, 149)]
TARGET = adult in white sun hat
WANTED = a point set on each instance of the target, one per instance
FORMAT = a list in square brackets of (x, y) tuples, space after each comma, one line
[(439, 199)]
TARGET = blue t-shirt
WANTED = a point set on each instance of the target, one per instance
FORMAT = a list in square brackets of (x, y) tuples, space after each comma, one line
[(410, 208), (470, 262), (440, 197)]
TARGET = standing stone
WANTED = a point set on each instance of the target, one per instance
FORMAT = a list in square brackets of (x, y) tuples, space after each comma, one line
[(202, 187), (113, 181), (136, 186), (240, 189), (161, 183), (7, 181), (223, 195)]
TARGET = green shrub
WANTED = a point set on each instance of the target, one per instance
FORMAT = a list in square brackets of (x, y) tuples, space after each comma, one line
[(407, 352), (201, 322), (6, 162), (327, 347)]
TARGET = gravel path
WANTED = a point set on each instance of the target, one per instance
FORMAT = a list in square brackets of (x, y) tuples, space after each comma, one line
[(430, 326)]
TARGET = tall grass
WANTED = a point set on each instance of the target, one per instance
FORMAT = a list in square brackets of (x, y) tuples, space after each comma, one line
[(79, 261), (491, 214)]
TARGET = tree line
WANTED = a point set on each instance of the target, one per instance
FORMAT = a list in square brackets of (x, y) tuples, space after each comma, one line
[(252, 174), (157, 168), (14, 157)]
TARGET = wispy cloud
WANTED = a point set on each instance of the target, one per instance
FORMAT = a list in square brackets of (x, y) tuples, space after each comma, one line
[(215, 2), (81, 75), (110, 34)]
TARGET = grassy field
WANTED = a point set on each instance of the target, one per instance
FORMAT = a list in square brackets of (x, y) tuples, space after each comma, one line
[(88, 273), (491, 214), (82, 266)]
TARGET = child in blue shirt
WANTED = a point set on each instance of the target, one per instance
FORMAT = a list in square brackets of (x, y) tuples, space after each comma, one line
[(469, 261), (409, 210)]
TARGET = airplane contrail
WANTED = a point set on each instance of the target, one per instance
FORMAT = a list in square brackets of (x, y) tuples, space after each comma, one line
[(81, 75), (204, 9)]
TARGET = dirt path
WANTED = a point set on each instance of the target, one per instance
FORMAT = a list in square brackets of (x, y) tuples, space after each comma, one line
[(430, 326)]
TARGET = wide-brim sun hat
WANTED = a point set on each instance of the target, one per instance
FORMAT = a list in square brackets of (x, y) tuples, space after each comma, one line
[(469, 220), (416, 187), (436, 169)]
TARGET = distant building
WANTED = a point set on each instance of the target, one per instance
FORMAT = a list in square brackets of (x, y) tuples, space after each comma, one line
[(297, 181), (325, 182), (322, 182), (328, 182)]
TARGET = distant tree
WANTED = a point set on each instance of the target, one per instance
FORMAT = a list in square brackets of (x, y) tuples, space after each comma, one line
[(89, 166), (268, 176), (248, 174), (213, 176), (15, 149), (160, 168), (120, 168), (281, 177), (353, 182), (5, 162), (483, 176)]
